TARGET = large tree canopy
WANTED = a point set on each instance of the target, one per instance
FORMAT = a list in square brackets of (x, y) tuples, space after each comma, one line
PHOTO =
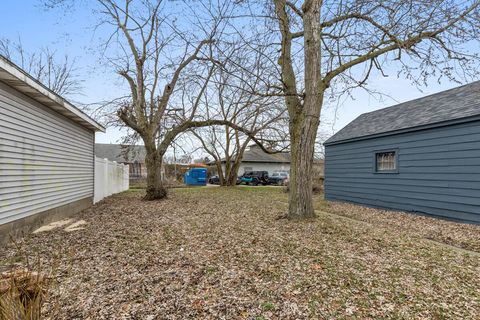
[(324, 48)]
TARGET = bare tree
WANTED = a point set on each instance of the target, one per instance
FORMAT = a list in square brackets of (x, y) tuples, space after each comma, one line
[(227, 145), (155, 52), (139, 34), (338, 44), (58, 74), (236, 97)]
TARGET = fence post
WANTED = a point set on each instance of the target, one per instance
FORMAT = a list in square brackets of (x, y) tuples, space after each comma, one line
[(126, 177), (96, 184), (105, 178)]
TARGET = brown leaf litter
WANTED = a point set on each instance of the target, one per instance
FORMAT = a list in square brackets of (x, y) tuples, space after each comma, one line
[(219, 253)]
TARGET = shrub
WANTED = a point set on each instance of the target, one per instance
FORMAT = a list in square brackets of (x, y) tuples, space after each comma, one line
[(317, 186)]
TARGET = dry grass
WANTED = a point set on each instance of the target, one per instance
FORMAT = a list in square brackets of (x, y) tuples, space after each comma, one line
[(22, 294), (212, 253)]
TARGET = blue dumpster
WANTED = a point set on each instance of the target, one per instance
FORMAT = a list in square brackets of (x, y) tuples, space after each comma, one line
[(195, 177)]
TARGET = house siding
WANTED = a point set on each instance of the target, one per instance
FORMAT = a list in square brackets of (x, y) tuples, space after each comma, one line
[(438, 172), (259, 166), (46, 159)]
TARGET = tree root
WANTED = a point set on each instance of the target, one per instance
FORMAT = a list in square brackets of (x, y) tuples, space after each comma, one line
[(155, 194)]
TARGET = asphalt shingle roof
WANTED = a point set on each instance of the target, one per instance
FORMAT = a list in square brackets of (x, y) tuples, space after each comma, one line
[(256, 154), (453, 104), (120, 152)]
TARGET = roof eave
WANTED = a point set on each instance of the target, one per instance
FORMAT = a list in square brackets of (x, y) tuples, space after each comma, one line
[(15, 77), (406, 130)]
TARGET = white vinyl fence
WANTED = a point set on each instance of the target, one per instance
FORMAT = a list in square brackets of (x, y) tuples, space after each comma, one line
[(110, 178)]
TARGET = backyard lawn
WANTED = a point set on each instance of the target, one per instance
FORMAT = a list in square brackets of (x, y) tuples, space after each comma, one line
[(210, 253)]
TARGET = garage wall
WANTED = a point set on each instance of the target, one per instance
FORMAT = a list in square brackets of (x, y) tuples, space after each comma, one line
[(46, 160), (438, 172)]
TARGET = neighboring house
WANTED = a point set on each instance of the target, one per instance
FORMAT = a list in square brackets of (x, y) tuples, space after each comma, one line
[(46, 153), (255, 159), (132, 155), (422, 155)]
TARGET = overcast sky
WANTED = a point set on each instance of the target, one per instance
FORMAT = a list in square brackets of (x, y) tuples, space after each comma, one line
[(74, 35)]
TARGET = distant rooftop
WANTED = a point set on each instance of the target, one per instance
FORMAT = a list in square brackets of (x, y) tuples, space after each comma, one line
[(120, 152), (256, 154), (457, 103)]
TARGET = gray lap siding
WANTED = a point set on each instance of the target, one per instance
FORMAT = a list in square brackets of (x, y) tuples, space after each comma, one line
[(438, 172), (46, 159)]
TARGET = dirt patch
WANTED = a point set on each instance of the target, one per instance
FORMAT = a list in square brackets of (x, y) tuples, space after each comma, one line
[(53, 225)]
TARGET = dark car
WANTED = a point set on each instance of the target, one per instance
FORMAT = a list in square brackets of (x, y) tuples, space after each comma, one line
[(278, 178), (255, 178), (214, 180)]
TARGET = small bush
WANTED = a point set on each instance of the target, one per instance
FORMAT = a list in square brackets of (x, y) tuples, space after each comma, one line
[(140, 183), (317, 187), (172, 182)]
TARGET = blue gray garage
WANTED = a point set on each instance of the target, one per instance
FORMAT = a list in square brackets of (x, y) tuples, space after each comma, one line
[(422, 155)]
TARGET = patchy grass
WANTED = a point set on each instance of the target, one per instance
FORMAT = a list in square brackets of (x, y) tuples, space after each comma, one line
[(208, 253)]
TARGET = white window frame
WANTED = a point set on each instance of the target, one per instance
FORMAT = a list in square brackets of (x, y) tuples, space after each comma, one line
[(393, 169)]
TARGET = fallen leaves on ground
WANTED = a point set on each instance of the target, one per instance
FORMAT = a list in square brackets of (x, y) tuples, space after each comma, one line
[(220, 253), (462, 235)]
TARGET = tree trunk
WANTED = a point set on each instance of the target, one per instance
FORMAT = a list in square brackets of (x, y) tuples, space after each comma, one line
[(302, 141), (227, 173), (221, 176), (231, 180), (155, 187), (232, 174), (305, 119)]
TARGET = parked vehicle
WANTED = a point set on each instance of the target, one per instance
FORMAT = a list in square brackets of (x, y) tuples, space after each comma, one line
[(255, 178), (278, 178), (214, 180)]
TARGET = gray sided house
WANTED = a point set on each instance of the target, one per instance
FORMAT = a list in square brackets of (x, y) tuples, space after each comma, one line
[(132, 155), (46, 153), (255, 159), (421, 156)]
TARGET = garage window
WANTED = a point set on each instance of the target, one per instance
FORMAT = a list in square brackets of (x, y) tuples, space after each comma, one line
[(386, 161)]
